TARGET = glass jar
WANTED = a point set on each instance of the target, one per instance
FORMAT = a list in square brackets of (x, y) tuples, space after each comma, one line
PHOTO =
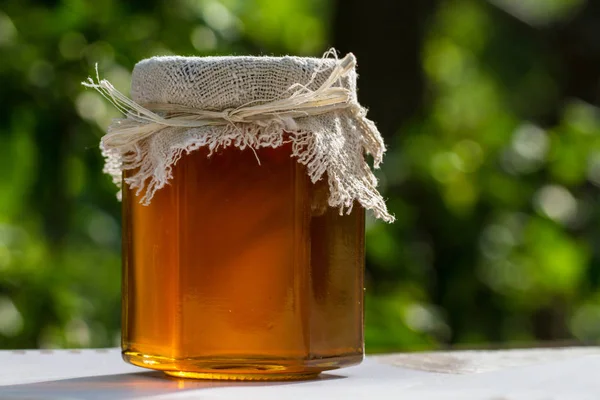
[(238, 262), (238, 269)]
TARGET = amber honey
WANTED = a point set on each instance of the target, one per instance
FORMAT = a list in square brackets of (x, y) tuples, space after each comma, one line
[(240, 270)]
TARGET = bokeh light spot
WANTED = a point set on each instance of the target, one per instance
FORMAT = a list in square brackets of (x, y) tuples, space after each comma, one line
[(11, 321), (8, 32), (203, 39), (71, 45), (41, 73), (557, 203)]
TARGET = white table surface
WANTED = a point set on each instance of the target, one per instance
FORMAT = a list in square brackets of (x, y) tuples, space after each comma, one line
[(570, 374)]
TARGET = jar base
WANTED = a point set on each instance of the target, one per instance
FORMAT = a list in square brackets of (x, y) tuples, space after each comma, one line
[(241, 369), (241, 377)]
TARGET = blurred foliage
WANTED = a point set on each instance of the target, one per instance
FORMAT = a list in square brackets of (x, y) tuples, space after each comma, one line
[(494, 183)]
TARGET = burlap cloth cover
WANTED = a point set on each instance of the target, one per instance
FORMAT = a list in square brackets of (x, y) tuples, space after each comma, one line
[(180, 104)]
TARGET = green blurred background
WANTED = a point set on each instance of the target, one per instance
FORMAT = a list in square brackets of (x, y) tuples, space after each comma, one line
[(489, 109)]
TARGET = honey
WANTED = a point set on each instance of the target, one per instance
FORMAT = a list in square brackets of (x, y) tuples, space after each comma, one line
[(238, 269)]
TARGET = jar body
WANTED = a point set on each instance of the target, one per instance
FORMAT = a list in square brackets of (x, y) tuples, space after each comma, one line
[(241, 271)]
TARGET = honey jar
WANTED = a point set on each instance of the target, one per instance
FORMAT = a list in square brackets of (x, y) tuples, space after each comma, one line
[(244, 190)]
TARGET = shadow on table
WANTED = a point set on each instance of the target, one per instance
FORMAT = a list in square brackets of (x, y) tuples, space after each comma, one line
[(122, 386)]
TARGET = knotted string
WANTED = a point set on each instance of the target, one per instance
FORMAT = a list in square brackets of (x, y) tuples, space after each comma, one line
[(144, 121)]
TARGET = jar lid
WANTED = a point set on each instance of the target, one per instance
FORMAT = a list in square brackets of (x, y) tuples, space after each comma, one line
[(219, 83), (180, 104)]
